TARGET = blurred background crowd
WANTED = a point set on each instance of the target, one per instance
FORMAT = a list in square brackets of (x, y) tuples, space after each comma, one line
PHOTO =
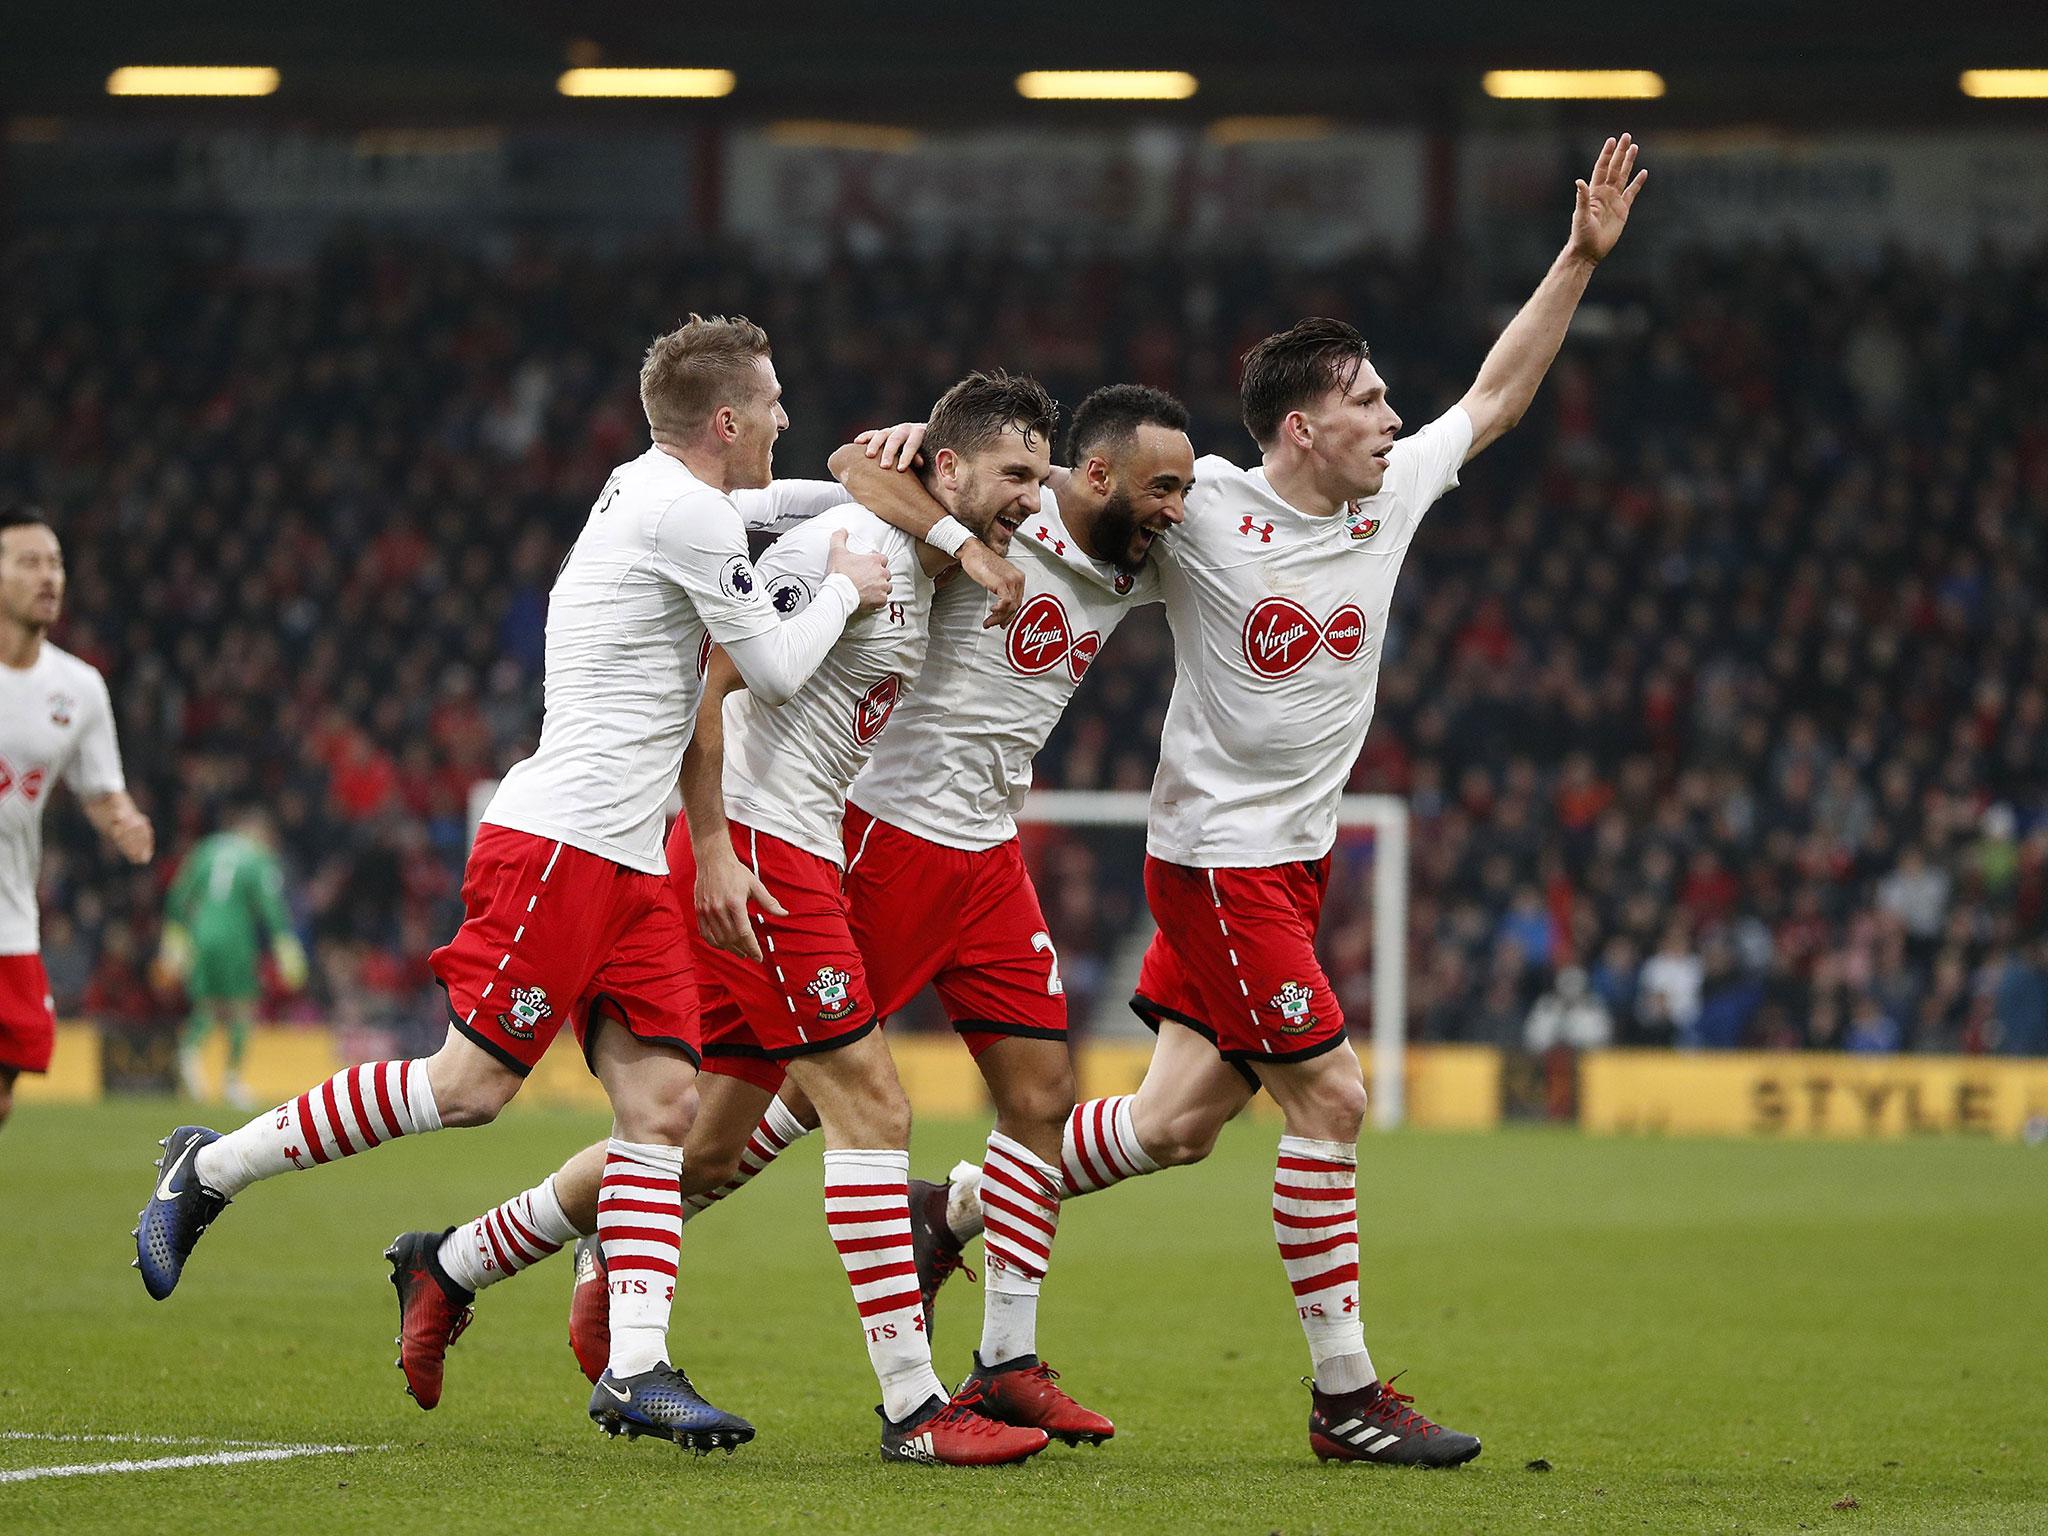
[(1718, 693)]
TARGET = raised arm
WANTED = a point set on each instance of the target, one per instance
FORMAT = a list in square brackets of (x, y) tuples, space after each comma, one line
[(724, 884), (899, 498), (1513, 369)]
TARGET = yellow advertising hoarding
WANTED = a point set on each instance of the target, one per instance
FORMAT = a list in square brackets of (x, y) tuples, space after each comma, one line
[(1809, 1094), (1449, 1087)]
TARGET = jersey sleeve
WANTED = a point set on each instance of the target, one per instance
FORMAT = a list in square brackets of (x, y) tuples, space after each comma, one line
[(707, 551), (95, 766), (1420, 468), (786, 504)]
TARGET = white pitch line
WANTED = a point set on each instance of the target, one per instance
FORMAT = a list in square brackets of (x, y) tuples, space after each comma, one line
[(172, 1463), (46, 1438)]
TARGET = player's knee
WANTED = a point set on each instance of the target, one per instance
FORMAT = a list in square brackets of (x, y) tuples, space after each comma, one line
[(469, 1088), (1340, 1105), (1185, 1136), (1041, 1104)]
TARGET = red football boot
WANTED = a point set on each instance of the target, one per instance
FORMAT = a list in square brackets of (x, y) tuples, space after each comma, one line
[(957, 1434), (590, 1311), (432, 1311), (932, 1243), (1023, 1392)]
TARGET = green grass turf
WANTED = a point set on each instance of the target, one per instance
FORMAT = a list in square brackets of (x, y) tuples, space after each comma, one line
[(1695, 1336)]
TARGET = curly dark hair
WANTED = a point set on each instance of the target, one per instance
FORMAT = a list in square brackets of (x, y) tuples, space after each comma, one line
[(1107, 420)]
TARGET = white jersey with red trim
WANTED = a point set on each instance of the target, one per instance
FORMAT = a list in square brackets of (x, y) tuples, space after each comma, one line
[(56, 722), (787, 769), (956, 763), (1278, 618), (659, 571)]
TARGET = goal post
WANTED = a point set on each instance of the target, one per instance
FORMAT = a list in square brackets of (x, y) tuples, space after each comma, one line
[(1386, 817)]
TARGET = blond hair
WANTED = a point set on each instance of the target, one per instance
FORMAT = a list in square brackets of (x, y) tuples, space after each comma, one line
[(705, 362)]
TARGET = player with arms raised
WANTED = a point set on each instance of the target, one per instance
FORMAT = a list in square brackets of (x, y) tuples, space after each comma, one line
[(571, 916), (1278, 592), (56, 722)]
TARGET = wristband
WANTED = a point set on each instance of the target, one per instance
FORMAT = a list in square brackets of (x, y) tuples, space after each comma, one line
[(947, 535)]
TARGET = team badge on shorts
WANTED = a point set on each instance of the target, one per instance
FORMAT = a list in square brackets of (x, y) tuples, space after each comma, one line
[(1293, 1000), (834, 1001), (529, 1007), (1361, 526)]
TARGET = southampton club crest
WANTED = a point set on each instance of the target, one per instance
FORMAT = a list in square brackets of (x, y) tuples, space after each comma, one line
[(1293, 1002), (835, 1000), (529, 1007), (1361, 526)]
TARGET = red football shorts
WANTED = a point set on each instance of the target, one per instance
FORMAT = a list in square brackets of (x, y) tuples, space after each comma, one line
[(28, 1018), (1235, 959), (809, 990), (555, 933), (968, 923)]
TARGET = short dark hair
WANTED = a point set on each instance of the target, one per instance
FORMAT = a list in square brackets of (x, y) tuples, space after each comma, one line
[(1107, 420), (1296, 368), (705, 362), (982, 407), (22, 517)]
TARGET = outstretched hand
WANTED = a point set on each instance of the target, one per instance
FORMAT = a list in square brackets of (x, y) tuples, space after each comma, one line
[(1604, 202)]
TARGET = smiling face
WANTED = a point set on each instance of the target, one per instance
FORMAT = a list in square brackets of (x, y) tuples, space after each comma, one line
[(31, 576), (752, 423), (1347, 432), (993, 489), (1145, 481)]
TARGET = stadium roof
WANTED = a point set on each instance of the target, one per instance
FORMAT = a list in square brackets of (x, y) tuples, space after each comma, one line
[(1725, 61)]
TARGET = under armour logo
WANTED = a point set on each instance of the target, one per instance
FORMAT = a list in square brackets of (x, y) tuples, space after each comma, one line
[(1263, 530), (1350, 1303), (1059, 546)]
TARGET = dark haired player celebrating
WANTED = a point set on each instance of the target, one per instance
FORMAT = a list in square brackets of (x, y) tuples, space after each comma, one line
[(1278, 591)]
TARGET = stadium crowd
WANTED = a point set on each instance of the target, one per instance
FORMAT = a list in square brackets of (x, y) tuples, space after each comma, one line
[(1719, 693)]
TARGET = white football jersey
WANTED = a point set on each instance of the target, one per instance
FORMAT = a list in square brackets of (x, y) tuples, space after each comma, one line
[(56, 722), (956, 763), (1277, 619), (787, 768), (659, 571)]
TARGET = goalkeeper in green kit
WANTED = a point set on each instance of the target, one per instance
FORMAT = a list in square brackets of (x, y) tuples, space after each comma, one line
[(228, 897)]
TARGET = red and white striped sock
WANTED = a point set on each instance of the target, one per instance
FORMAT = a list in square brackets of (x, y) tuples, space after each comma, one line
[(1315, 1222), (1100, 1148), (640, 1228), (867, 1211), (777, 1132), (1020, 1197), (507, 1238), (1101, 1145), (351, 1112)]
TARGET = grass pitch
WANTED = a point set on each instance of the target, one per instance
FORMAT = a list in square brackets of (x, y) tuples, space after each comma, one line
[(1693, 1336)]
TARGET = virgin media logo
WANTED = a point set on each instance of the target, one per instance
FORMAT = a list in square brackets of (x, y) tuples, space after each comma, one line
[(872, 710), (1280, 636), (1040, 638)]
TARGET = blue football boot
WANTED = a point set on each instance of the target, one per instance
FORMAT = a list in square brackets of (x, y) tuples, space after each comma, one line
[(661, 1402), (180, 1209)]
